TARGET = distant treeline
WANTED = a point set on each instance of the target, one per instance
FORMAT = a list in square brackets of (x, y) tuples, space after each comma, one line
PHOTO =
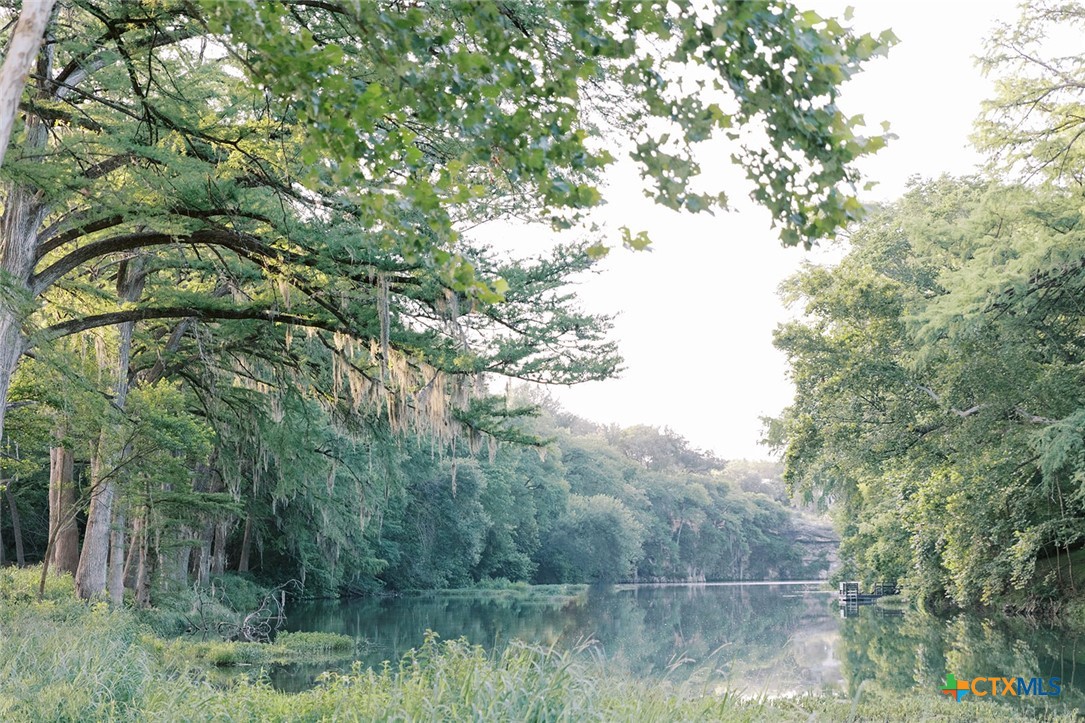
[(585, 503), (601, 504)]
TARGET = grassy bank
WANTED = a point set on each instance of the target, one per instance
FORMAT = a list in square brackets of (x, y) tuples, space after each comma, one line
[(61, 660), (287, 648)]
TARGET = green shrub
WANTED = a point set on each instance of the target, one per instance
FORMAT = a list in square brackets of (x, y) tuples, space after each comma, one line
[(233, 653), (20, 585), (209, 611), (238, 592), (1074, 616), (310, 643)]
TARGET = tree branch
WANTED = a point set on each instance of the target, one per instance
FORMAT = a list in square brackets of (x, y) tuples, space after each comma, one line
[(72, 234), (241, 243), (24, 403), (962, 413), (115, 220), (75, 326), (56, 114), (1033, 418)]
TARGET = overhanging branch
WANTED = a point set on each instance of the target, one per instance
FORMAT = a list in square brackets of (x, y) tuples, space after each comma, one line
[(241, 243), (52, 243), (75, 326), (24, 403)]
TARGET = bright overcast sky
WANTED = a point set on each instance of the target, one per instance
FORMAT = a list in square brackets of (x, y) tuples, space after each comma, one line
[(696, 314)]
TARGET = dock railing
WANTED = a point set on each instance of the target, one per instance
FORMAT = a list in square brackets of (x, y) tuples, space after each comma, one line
[(881, 589), (850, 594)]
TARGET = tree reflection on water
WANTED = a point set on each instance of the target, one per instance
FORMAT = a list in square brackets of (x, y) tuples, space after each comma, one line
[(752, 639)]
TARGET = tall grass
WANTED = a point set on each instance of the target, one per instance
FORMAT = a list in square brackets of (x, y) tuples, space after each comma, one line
[(287, 648)]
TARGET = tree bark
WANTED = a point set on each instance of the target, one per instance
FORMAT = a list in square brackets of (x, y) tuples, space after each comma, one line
[(182, 572), (246, 545), (90, 577), (22, 50), (116, 558), (16, 526), (176, 565), (203, 561), (143, 579), (218, 549), (94, 562), (23, 214), (11, 341), (63, 530), (24, 206)]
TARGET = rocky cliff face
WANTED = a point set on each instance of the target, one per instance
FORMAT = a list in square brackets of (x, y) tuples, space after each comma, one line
[(819, 544)]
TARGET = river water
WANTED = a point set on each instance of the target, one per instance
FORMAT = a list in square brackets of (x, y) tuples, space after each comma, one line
[(755, 639)]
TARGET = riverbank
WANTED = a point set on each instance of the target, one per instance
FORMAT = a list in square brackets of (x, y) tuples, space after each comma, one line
[(63, 660), (1055, 593)]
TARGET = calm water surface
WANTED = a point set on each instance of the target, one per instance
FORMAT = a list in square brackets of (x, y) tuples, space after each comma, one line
[(756, 639)]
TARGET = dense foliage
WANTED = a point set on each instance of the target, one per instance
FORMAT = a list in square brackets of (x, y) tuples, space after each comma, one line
[(938, 367), (394, 512), (938, 371), (603, 504), (242, 319)]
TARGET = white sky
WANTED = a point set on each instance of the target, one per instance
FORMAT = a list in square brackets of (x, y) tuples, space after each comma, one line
[(697, 313)]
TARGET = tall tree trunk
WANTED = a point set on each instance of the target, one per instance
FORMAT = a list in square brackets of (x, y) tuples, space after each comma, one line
[(12, 342), (18, 232), (21, 53), (213, 550), (203, 562), (246, 544), (16, 526), (63, 530), (24, 206), (143, 579), (182, 568), (176, 565), (91, 576), (116, 558), (218, 548), (91, 579)]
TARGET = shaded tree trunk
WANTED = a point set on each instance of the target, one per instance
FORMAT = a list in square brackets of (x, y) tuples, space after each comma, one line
[(94, 562), (12, 342), (116, 558), (175, 563), (24, 206), (246, 545), (203, 561), (16, 526), (63, 529), (143, 577), (210, 554), (218, 548)]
